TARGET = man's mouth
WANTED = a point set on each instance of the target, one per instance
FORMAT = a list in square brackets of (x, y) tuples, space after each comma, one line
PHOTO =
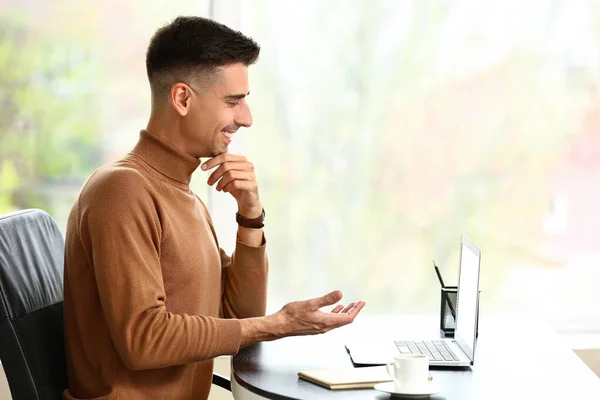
[(228, 135)]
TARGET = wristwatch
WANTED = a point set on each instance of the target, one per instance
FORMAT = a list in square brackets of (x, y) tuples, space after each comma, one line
[(254, 223)]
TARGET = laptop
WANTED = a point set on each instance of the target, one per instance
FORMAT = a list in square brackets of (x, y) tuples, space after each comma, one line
[(448, 352)]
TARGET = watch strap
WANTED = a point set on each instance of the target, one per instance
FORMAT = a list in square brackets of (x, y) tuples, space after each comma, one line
[(253, 223)]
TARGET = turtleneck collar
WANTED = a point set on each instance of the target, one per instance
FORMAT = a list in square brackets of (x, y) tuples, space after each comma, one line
[(165, 158)]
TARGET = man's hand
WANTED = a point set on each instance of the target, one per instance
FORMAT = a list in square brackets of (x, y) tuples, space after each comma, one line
[(301, 318), (306, 318), (235, 175)]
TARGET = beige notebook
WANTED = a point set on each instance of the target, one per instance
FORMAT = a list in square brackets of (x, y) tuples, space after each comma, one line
[(347, 378)]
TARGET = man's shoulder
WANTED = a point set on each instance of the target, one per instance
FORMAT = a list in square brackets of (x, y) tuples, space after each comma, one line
[(115, 194), (120, 179)]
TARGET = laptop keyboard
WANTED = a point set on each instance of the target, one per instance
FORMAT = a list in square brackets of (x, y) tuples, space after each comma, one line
[(437, 350)]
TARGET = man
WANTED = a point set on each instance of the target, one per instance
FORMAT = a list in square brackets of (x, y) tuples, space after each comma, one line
[(150, 298)]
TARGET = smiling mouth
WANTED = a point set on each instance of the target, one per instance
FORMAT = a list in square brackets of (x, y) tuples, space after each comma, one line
[(228, 135)]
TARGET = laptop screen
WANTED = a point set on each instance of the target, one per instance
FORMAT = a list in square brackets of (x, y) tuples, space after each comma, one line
[(468, 293)]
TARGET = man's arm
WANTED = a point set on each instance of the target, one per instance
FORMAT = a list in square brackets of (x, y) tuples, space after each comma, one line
[(235, 175), (245, 274), (251, 237), (243, 277), (244, 280)]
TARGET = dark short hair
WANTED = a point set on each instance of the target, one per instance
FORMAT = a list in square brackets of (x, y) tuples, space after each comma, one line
[(190, 47)]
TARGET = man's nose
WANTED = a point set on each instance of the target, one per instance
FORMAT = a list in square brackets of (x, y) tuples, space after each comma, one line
[(244, 116)]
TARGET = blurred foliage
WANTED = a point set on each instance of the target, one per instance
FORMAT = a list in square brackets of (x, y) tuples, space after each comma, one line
[(48, 118)]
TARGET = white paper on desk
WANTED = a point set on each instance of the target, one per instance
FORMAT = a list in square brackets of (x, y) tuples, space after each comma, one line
[(372, 352)]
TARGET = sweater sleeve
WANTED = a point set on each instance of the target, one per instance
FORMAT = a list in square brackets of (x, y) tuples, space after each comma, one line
[(244, 277), (121, 233), (245, 281)]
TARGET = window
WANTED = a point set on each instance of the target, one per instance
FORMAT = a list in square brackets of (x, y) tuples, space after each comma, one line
[(382, 131)]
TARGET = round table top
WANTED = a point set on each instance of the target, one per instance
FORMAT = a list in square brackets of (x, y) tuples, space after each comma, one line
[(510, 353)]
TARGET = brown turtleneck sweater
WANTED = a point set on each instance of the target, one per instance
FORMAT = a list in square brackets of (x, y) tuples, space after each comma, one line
[(150, 298)]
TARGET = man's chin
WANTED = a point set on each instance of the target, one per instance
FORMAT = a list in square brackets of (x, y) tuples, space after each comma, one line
[(219, 151)]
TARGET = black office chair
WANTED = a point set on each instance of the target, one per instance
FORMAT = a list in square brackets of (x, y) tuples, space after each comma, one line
[(32, 347)]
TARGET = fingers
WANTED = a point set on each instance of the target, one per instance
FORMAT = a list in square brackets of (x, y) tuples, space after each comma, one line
[(230, 166), (327, 300), (337, 309), (345, 317), (353, 312), (348, 307), (341, 309), (220, 159), (235, 175), (230, 176)]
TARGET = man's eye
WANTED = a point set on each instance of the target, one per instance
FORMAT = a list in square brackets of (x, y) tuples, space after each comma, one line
[(233, 103)]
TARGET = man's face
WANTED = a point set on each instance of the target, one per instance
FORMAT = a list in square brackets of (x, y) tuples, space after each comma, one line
[(217, 111)]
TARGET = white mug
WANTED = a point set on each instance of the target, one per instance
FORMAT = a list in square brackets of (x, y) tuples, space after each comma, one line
[(410, 372)]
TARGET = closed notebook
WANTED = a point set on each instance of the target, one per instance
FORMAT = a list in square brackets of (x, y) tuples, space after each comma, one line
[(347, 378)]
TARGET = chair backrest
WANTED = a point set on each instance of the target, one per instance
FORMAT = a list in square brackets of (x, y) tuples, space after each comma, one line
[(32, 348)]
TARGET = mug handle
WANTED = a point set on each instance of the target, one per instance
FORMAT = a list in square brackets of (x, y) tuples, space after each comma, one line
[(387, 367)]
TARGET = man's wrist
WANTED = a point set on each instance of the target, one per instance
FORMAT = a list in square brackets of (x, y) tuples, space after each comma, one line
[(251, 212), (260, 329), (251, 222)]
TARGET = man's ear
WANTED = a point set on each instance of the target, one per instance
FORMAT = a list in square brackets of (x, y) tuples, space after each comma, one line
[(181, 95)]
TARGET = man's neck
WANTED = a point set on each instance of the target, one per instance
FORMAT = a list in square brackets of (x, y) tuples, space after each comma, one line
[(161, 125)]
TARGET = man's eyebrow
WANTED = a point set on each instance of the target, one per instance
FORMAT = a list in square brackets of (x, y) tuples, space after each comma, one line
[(236, 96)]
